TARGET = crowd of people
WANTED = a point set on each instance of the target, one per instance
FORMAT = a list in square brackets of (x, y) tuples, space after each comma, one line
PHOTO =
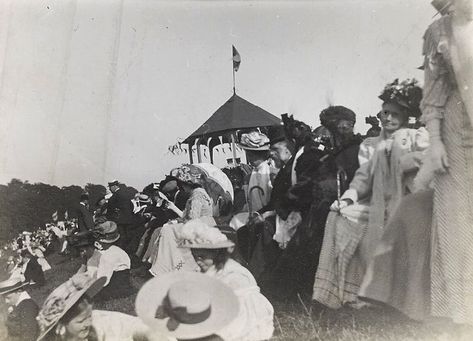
[(325, 214)]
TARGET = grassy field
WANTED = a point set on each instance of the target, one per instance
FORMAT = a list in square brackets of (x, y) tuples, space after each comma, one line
[(298, 320)]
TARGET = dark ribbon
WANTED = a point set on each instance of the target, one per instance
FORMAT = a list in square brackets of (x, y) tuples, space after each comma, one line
[(180, 315)]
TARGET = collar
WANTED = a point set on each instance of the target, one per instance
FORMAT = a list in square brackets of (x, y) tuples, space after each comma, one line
[(23, 296)]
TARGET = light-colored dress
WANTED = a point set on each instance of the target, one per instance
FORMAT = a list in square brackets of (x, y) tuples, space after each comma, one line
[(255, 318), (169, 256), (112, 325), (351, 237), (258, 194), (452, 230)]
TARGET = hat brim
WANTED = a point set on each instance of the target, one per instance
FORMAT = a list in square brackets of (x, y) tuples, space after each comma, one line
[(91, 290), (224, 305), (265, 147), (110, 241), (277, 140), (221, 245), (18, 286)]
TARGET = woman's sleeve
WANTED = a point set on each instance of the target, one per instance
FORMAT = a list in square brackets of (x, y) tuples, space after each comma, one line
[(105, 269), (361, 184), (437, 86)]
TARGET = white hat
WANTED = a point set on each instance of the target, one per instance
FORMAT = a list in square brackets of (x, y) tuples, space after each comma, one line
[(196, 234), (186, 305)]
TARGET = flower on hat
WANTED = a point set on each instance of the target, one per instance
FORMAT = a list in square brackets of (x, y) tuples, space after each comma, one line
[(254, 139), (55, 305), (185, 174), (407, 94)]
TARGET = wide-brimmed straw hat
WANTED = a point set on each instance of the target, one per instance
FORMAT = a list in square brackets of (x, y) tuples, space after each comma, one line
[(186, 305), (63, 298), (254, 141), (11, 285), (107, 232), (196, 234)]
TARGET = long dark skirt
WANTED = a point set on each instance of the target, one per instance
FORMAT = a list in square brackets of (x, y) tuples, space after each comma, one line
[(285, 273), (118, 287)]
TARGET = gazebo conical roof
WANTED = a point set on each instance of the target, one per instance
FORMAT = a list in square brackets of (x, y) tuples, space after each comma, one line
[(235, 114)]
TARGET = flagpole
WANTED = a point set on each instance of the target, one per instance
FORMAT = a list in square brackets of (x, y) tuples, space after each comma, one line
[(233, 68), (234, 91)]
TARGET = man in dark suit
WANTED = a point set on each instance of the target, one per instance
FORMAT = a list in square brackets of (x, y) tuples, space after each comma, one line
[(122, 211), (84, 216), (21, 321)]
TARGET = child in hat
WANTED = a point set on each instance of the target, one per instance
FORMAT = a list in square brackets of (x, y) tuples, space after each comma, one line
[(67, 314), (211, 250), (21, 320)]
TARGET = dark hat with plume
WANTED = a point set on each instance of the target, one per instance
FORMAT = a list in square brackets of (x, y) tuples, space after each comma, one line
[(329, 117)]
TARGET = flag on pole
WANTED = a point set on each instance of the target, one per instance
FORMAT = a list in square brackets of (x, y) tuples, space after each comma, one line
[(55, 216), (236, 59)]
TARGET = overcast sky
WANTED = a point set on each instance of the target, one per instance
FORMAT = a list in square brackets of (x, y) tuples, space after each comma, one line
[(96, 90)]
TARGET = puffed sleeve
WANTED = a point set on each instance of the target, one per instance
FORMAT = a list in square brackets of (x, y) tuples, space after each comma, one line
[(412, 160), (437, 84)]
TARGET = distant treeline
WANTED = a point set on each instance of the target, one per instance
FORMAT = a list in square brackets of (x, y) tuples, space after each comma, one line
[(25, 206)]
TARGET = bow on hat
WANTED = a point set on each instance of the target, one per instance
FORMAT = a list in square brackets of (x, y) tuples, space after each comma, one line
[(178, 315)]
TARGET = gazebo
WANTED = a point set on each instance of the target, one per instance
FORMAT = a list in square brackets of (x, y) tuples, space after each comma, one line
[(222, 127)]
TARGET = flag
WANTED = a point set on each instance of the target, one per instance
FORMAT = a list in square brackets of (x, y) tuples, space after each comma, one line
[(236, 59), (66, 215), (54, 216)]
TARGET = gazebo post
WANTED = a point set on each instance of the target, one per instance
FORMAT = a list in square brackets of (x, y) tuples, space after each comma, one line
[(233, 148), (191, 158), (199, 155)]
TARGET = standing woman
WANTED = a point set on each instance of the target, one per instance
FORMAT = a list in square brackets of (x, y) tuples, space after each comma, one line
[(448, 79), (352, 234)]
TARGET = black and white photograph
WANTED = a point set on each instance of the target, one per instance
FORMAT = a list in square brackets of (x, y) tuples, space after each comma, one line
[(240, 170)]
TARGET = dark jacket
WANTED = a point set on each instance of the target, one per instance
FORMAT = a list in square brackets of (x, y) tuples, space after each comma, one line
[(21, 322), (34, 272), (346, 157), (279, 200), (120, 204), (84, 218)]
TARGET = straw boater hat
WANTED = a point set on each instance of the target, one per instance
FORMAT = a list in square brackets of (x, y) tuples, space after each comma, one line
[(63, 298), (107, 232), (113, 183), (255, 141), (11, 285), (186, 305), (196, 234)]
